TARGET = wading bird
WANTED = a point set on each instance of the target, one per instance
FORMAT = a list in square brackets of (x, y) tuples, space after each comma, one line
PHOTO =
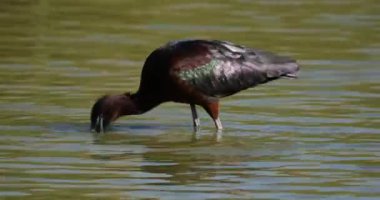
[(195, 72)]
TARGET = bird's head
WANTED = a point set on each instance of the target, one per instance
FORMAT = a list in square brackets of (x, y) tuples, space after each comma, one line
[(110, 107)]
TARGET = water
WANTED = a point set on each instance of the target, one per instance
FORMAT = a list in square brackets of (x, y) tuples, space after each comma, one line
[(316, 137)]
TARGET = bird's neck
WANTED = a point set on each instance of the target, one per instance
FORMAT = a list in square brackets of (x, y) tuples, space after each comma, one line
[(144, 102)]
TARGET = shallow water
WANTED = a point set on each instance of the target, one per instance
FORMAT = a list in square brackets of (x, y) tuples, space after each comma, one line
[(316, 137)]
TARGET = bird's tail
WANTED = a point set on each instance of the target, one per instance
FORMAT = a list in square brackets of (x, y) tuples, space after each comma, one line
[(276, 66), (274, 71)]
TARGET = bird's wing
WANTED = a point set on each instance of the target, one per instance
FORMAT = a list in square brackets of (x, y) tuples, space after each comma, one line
[(219, 69)]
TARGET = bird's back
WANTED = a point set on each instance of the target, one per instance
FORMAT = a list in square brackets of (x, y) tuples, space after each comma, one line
[(214, 68)]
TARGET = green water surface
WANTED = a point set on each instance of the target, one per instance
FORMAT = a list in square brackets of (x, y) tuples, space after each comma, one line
[(316, 137)]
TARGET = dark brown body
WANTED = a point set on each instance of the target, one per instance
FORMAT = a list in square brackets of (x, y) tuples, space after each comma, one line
[(159, 82), (195, 72)]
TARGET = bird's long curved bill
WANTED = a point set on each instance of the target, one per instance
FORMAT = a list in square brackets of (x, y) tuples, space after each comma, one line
[(99, 124)]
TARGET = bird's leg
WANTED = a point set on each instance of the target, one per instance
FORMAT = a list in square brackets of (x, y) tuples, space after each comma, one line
[(218, 135), (196, 122), (213, 110), (218, 124)]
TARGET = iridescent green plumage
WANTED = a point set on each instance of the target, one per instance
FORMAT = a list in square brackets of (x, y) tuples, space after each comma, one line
[(198, 72), (230, 68)]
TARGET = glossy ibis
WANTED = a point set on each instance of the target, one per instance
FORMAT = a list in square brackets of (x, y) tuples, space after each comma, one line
[(195, 72)]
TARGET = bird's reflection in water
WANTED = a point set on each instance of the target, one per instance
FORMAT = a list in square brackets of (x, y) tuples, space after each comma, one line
[(197, 135), (179, 158)]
